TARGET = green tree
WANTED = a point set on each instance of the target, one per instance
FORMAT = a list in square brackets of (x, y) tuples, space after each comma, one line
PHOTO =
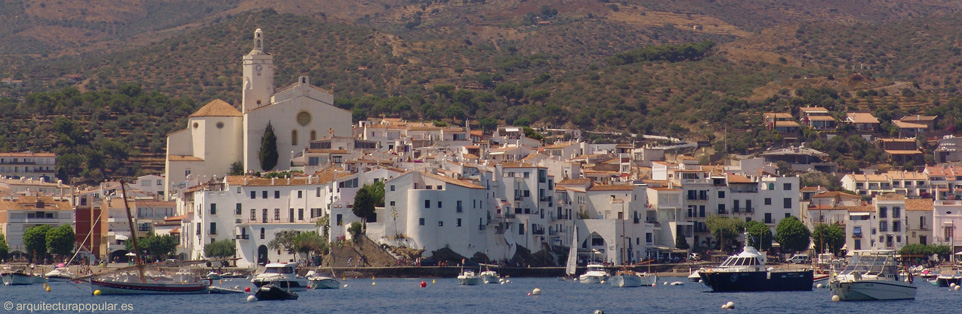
[(488, 124), (725, 229), (760, 235), (310, 243), (35, 241), (831, 237), (284, 239), (220, 249), (236, 168), (155, 247), (60, 241), (792, 234), (367, 198), (681, 242), (268, 152), (4, 248), (355, 230)]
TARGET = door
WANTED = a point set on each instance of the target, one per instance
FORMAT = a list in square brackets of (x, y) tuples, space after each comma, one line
[(262, 255)]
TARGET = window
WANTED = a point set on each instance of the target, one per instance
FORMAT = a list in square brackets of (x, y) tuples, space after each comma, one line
[(883, 212), (721, 209), (922, 223), (253, 214), (883, 226), (294, 137), (768, 218), (262, 233), (735, 206), (290, 215), (527, 193), (649, 237), (427, 203), (701, 211), (277, 194), (788, 215), (439, 204), (213, 209), (264, 215), (317, 193), (459, 208), (264, 194), (300, 214), (198, 228), (392, 188), (340, 220), (721, 194), (896, 226), (253, 195), (459, 222), (421, 221), (787, 203), (277, 214), (858, 244), (521, 229), (213, 228), (299, 195), (896, 212), (768, 201), (392, 203), (787, 186), (440, 223), (238, 209)]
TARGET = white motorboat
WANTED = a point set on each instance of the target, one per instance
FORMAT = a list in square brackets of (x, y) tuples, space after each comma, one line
[(20, 276), (871, 275), (322, 281), (468, 278), (648, 279), (596, 274), (281, 275), (490, 276), (695, 276), (60, 274)]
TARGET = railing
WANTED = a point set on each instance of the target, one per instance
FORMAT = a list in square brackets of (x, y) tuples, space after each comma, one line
[(242, 236)]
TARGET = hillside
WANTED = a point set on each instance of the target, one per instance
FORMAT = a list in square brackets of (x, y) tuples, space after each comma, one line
[(535, 62)]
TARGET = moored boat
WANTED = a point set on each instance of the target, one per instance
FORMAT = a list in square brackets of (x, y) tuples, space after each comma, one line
[(490, 276), (596, 274), (282, 275), (272, 292), (18, 275), (746, 271), (695, 276), (322, 281), (871, 275), (60, 274), (625, 279), (468, 278)]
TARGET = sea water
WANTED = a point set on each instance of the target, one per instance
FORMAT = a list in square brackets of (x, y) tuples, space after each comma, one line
[(444, 295)]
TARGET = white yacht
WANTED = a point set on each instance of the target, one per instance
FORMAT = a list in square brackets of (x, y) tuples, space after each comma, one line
[(625, 279), (490, 276), (596, 274), (282, 275), (468, 278), (60, 274), (871, 275)]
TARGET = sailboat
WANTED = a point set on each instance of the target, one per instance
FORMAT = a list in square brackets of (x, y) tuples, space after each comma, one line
[(141, 280), (571, 267), (624, 278)]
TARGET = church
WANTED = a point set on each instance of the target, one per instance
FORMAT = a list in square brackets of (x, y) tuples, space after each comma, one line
[(219, 134)]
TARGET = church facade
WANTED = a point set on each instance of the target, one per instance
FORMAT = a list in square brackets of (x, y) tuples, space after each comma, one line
[(219, 134)]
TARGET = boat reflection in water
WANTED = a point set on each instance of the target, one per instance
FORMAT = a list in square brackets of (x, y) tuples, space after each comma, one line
[(872, 275)]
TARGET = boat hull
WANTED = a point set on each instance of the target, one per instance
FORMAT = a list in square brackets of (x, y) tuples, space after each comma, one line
[(873, 290), (592, 279), (648, 279), (22, 279), (625, 281), (120, 288), (947, 281), (469, 281), (758, 281), (271, 292), (296, 284), (490, 277), (323, 283)]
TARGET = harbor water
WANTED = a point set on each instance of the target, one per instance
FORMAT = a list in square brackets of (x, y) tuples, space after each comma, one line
[(396, 295)]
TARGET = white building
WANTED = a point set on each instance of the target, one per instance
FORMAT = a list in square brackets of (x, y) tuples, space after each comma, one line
[(29, 165), (153, 184), (947, 220), (219, 135), (19, 213), (890, 210)]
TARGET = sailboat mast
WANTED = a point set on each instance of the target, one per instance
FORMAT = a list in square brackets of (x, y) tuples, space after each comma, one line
[(133, 232)]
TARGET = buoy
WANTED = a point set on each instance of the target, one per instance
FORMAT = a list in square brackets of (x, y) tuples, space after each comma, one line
[(372, 277), (97, 292), (835, 298), (432, 281), (951, 285), (816, 286), (344, 278), (957, 288), (730, 304), (373, 283), (664, 283), (654, 284), (536, 291), (424, 284), (529, 294), (221, 281), (251, 298), (599, 312), (345, 285), (507, 281), (48, 288), (355, 277), (247, 289)]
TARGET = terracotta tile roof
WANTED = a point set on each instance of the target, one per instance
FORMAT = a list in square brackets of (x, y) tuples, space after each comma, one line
[(834, 194), (909, 125), (454, 181), (812, 109), (861, 117), (327, 151), (175, 230), (28, 154), (734, 178), (778, 115), (216, 108), (573, 182), (176, 218), (470, 156), (919, 118), (559, 145), (183, 158), (919, 205), (665, 189), (821, 118), (612, 187), (787, 124), (891, 197), (903, 152), (859, 209)]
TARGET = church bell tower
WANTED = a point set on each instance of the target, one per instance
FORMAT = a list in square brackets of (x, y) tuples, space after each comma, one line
[(258, 76)]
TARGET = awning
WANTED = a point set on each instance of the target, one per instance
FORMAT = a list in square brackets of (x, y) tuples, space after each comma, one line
[(121, 237)]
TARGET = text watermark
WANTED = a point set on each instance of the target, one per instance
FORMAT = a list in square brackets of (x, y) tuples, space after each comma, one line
[(65, 306)]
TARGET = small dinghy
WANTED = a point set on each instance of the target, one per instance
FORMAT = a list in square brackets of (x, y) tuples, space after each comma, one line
[(271, 292)]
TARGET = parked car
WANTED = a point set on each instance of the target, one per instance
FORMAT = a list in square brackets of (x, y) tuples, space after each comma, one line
[(799, 259)]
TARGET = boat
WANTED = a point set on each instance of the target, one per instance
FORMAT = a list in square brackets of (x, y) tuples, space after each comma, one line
[(322, 281), (490, 276), (271, 292), (946, 279), (18, 275), (282, 275), (224, 290), (871, 275), (820, 279), (468, 278), (695, 276), (648, 279), (625, 279), (596, 274), (571, 266), (142, 279), (746, 271), (60, 274)]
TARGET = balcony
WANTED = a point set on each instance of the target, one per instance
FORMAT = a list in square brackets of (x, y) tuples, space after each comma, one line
[(482, 227), (856, 236), (242, 236)]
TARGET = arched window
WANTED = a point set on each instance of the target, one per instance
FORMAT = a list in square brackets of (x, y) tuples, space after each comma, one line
[(294, 137), (262, 233), (313, 135)]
